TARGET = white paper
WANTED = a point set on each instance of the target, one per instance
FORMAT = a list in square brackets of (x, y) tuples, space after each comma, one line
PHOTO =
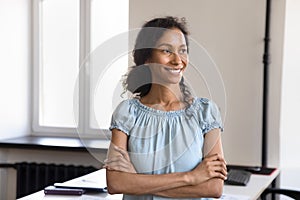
[(234, 197)]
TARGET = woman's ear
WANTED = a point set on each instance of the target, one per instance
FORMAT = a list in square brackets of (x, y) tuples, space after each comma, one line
[(148, 61)]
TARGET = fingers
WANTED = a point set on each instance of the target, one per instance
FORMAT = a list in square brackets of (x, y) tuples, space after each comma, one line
[(123, 152), (120, 161), (217, 174), (215, 157), (216, 166), (220, 171), (116, 163)]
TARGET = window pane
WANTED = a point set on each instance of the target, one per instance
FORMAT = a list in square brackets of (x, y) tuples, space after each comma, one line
[(108, 19), (59, 61), (107, 94)]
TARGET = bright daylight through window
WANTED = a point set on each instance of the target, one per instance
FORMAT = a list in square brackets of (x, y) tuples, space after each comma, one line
[(66, 32)]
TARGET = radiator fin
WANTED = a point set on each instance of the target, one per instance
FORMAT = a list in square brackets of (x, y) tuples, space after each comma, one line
[(32, 177)]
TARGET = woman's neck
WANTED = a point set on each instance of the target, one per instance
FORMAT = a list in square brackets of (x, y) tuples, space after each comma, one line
[(164, 98)]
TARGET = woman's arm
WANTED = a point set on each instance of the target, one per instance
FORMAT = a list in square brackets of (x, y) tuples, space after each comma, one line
[(129, 182), (214, 186), (208, 189)]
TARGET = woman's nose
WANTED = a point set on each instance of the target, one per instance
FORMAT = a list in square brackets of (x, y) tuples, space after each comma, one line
[(176, 59)]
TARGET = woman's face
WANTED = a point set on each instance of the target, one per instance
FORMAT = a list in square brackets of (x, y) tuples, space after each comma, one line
[(169, 58)]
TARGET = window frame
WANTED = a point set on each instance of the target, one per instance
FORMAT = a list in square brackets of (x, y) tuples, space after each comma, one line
[(83, 130)]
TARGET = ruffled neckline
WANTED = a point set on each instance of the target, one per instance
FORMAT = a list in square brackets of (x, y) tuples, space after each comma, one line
[(139, 104)]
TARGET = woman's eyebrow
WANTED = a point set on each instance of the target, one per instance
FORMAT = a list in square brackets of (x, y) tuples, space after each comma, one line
[(169, 45), (164, 44)]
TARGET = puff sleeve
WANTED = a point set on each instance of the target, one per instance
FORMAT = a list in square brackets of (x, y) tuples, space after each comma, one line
[(210, 116), (123, 117)]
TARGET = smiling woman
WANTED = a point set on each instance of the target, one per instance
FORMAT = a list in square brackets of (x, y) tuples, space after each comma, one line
[(159, 42), (169, 59), (165, 142)]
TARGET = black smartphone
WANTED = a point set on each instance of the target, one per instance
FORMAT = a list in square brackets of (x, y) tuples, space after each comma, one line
[(63, 191)]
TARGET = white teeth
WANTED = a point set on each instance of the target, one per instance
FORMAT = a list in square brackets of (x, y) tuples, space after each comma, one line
[(174, 70)]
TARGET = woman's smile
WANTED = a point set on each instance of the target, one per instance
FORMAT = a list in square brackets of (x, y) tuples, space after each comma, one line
[(169, 58), (176, 71)]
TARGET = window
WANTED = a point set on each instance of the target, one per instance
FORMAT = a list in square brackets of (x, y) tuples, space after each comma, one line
[(68, 99)]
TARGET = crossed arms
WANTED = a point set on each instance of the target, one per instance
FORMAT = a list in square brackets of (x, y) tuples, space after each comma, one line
[(205, 180)]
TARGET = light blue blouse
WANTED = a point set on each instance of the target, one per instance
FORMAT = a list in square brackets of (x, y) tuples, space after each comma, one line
[(161, 142)]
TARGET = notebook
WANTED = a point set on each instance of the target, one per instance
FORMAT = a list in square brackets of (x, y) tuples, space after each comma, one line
[(95, 181)]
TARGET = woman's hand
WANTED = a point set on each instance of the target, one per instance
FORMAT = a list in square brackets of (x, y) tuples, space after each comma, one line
[(213, 166), (120, 162)]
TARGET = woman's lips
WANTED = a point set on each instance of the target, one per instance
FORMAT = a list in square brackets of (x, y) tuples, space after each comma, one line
[(175, 71)]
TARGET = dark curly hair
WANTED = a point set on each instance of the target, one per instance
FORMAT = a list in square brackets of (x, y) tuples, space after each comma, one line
[(138, 80)]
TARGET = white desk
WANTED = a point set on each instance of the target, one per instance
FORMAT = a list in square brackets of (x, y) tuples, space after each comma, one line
[(256, 185), (98, 178), (254, 188)]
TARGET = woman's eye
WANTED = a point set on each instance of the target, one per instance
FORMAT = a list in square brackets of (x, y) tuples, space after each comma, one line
[(167, 51), (183, 51)]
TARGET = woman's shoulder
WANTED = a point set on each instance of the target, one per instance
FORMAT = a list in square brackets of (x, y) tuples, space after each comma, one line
[(209, 114), (126, 102), (123, 117), (205, 106), (127, 106), (203, 102)]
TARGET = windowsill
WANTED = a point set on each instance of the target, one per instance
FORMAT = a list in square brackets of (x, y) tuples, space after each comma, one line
[(55, 143)]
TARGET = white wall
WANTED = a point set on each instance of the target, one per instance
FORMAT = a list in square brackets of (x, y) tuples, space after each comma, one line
[(14, 80), (15, 68), (232, 32), (289, 132)]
